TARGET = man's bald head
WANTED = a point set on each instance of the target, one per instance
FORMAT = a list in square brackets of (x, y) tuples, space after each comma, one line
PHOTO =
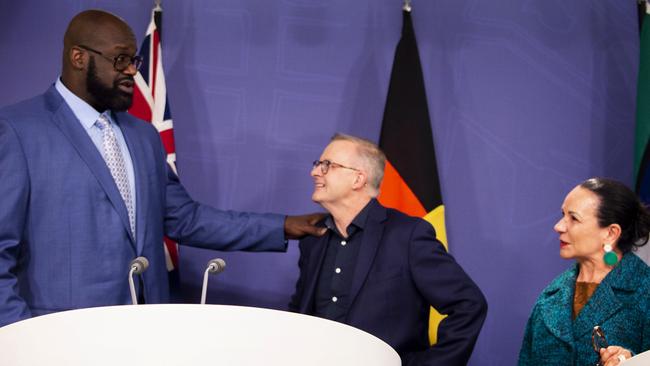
[(95, 28), (93, 43)]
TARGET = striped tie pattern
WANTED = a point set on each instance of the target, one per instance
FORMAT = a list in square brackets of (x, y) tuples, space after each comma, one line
[(115, 161)]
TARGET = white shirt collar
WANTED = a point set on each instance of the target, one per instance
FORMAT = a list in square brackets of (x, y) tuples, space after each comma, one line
[(84, 112)]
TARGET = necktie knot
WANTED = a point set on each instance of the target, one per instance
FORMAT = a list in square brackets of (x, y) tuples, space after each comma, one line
[(102, 122)]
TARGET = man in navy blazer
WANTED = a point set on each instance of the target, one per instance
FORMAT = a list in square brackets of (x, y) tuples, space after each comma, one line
[(66, 238), (380, 270)]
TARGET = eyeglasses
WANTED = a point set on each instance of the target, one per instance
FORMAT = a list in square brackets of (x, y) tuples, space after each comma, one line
[(598, 341), (326, 164), (121, 61)]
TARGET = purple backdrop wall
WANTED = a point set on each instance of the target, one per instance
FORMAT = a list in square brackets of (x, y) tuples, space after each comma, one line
[(527, 98)]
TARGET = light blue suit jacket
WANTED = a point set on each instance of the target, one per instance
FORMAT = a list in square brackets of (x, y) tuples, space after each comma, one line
[(64, 237), (620, 306)]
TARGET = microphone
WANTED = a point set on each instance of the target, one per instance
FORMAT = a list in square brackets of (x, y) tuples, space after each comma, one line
[(137, 266), (216, 265)]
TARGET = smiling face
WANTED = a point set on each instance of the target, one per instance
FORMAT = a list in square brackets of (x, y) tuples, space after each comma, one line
[(339, 184), (581, 237)]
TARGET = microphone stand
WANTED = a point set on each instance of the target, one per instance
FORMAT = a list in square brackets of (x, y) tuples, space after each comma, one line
[(134, 298), (216, 265), (137, 266)]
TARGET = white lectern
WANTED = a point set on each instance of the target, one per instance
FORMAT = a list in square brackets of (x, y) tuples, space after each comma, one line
[(642, 359), (188, 335)]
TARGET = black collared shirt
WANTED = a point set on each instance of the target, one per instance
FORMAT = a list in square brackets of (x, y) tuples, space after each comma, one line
[(332, 299)]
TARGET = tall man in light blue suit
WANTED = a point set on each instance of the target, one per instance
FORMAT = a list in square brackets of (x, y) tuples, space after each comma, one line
[(84, 188)]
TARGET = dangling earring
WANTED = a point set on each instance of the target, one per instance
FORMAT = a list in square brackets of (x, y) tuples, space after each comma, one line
[(610, 257)]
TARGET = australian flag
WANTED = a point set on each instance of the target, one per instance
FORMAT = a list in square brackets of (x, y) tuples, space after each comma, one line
[(150, 104)]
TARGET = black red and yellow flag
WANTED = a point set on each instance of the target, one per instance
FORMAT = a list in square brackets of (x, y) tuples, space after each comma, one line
[(411, 182)]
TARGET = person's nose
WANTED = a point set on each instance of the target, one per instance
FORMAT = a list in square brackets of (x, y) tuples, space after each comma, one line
[(130, 70), (315, 171), (560, 226)]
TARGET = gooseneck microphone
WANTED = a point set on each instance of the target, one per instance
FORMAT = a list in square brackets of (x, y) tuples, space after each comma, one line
[(216, 265), (137, 266)]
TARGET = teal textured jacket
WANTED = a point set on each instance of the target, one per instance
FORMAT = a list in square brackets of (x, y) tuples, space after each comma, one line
[(620, 305)]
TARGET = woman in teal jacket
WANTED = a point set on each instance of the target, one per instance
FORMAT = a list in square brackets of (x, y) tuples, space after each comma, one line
[(609, 286)]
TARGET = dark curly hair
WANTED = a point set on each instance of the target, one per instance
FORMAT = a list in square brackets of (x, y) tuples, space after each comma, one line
[(619, 205)]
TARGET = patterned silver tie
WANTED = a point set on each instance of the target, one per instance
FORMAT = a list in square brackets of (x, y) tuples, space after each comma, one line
[(115, 161)]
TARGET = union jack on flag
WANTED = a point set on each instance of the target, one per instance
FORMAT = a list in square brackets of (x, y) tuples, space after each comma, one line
[(150, 104)]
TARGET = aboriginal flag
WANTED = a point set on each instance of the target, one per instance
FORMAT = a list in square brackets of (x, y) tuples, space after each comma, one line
[(411, 183)]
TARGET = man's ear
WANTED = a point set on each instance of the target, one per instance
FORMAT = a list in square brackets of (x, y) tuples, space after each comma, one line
[(77, 58), (360, 180)]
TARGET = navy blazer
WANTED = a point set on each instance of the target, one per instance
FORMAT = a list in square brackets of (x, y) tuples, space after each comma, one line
[(65, 241), (620, 306), (400, 272)]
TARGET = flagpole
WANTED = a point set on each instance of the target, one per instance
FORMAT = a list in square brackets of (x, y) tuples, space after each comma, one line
[(407, 6), (642, 9), (157, 16)]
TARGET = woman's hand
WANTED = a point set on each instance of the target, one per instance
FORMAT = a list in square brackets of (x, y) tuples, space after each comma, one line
[(613, 355)]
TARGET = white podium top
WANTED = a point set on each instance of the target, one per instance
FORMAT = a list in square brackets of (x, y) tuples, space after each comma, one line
[(642, 359), (188, 335)]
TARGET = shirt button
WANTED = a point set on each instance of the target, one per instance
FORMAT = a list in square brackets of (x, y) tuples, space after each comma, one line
[(334, 299), (344, 242), (338, 270)]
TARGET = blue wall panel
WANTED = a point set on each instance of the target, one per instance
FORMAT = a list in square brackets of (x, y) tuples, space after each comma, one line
[(527, 98)]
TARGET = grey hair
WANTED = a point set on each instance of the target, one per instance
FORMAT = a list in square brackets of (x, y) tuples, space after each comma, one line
[(371, 155)]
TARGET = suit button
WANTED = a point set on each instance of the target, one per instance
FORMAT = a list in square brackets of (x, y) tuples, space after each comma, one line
[(344, 242), (334, 299), (338, 270)]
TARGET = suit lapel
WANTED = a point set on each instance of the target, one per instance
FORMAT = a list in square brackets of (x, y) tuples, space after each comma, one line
[(559, 295), (139, 159), (372, 234), (600, 307), (66, 121), (604, 303)]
